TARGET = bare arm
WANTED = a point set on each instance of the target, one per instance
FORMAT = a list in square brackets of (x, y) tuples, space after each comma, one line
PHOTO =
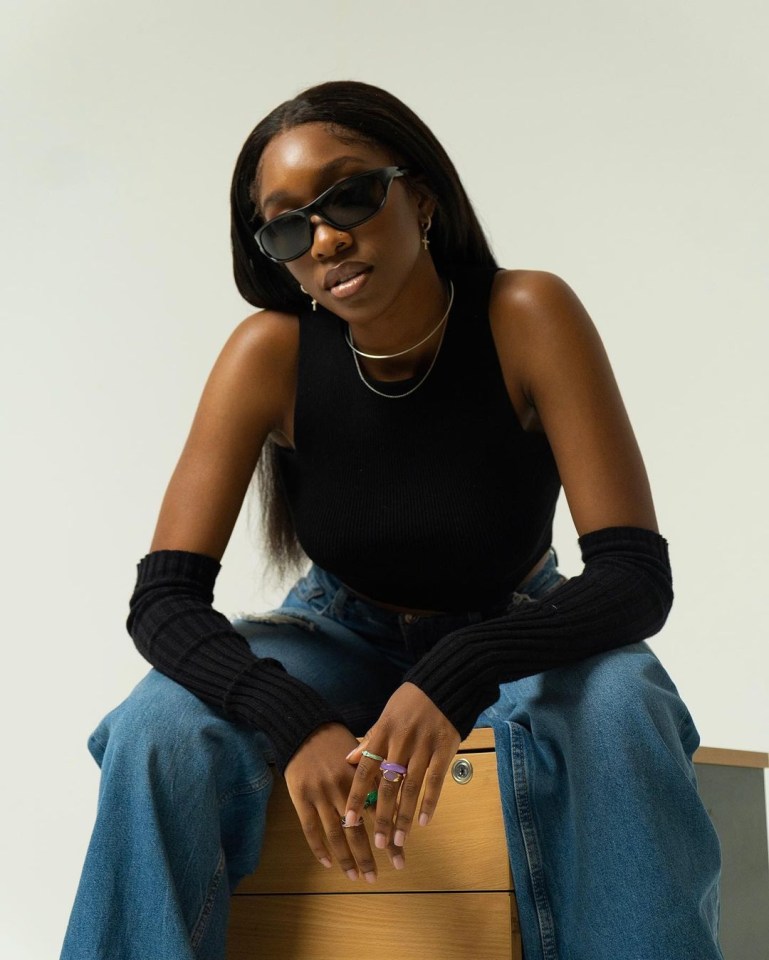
[(556, 369), (248, 395)]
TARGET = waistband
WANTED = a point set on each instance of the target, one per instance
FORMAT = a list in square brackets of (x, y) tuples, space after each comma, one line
[(546, 577)]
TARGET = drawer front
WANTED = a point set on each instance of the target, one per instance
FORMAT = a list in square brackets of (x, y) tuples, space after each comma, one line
[(462, 849), (450, 926)]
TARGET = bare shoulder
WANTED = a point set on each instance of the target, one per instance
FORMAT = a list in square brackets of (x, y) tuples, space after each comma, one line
[(535, 303), (260, 358), (265, 337), (539, 322)]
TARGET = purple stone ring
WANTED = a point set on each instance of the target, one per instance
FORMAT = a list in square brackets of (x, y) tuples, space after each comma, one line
[(392, 772)]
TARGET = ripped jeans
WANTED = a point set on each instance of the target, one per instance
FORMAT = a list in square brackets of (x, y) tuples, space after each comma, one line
[(613, 854)]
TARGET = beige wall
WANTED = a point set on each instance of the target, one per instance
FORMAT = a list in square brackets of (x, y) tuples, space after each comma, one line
[(622, 145)]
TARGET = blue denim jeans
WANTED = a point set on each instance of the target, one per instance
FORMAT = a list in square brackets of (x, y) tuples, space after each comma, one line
[(613, 854)]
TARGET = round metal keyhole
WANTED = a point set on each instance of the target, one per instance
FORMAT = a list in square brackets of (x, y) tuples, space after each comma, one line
[(462, 771)]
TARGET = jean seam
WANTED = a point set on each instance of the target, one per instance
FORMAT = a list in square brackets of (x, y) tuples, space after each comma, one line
[(93, 739), (531, 845), (251, 786), (206, 910)]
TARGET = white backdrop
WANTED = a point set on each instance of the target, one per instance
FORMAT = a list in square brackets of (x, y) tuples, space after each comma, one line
[(620, 144)]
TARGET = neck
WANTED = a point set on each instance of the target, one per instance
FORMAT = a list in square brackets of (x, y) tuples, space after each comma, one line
[(416, 316)]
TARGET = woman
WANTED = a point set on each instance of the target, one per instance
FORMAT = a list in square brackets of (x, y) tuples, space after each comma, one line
[(416, 410)]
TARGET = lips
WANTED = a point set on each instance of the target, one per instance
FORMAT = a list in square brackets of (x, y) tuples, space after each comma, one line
[(343, 273)]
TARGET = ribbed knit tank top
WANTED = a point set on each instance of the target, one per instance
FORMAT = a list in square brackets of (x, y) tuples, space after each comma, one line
[(438, 500)]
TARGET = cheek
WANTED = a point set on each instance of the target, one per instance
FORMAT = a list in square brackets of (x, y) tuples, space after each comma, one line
[(294, 269), (399, 226)]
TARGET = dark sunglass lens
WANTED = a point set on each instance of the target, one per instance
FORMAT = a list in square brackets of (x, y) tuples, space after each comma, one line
[(355, 200), (286, 237)]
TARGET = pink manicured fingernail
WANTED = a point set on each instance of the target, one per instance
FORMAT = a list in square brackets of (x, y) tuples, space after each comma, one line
[(351, 753), (380, 841), (423, 819), (351, 819), (400, 838), (370, 877), (352, 874), (398, 862), (326, 862)]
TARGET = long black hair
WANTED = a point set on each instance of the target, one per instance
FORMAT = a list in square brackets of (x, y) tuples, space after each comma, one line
[(353, 111)]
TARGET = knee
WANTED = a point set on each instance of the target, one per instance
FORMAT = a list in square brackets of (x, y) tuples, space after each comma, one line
[(161, 726), (624, 696)]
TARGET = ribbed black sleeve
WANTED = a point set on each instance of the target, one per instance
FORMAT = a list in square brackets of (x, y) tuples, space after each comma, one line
[(623, 595), (175, 627)]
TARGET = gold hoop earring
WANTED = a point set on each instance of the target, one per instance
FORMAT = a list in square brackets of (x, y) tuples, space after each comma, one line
[(314, 301)]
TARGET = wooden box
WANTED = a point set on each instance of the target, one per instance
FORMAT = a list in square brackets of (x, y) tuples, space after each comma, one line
[(453, 900)]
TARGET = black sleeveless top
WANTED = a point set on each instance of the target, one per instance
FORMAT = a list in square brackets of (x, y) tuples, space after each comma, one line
[(438, 500)]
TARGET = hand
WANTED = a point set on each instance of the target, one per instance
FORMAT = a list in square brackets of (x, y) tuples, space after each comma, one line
[(413, 732), (318, 781)]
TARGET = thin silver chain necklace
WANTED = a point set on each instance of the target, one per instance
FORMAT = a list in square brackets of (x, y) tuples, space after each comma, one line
[(406, 393)]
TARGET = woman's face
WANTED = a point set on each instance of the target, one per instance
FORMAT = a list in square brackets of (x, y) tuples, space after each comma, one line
[(361, 271)]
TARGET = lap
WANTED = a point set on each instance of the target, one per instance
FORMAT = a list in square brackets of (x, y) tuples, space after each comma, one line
[(351, 672)]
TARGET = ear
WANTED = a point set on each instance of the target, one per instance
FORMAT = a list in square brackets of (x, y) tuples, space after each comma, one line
[(426, 206), (426, 202)]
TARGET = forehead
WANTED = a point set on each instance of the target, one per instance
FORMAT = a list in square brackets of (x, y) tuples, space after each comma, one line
[(298, 163)]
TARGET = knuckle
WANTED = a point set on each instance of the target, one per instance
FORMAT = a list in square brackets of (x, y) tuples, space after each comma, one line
[(434, 778), (336, 836), (428, 804), (366, 864), (410, 788)]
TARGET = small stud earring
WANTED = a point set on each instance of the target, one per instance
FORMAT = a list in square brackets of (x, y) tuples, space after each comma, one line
[(314, 301)]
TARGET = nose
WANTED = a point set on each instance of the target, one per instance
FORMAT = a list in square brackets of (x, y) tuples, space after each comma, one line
[(327, 240)]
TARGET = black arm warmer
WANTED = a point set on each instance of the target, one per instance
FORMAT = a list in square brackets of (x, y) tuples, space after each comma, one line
[(175, 627), (622, 596)]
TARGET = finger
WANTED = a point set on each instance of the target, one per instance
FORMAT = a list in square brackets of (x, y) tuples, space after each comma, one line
[(355, 754), (357, 838), (336, 840), (387, 802), (363, 783), (407, 800), (315, 835), (396, 856), (434, 779)]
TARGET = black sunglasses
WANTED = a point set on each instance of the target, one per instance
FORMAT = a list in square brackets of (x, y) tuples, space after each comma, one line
[(347, 204)]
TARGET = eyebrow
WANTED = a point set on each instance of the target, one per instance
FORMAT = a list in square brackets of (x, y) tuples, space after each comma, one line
[(280, 196)]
